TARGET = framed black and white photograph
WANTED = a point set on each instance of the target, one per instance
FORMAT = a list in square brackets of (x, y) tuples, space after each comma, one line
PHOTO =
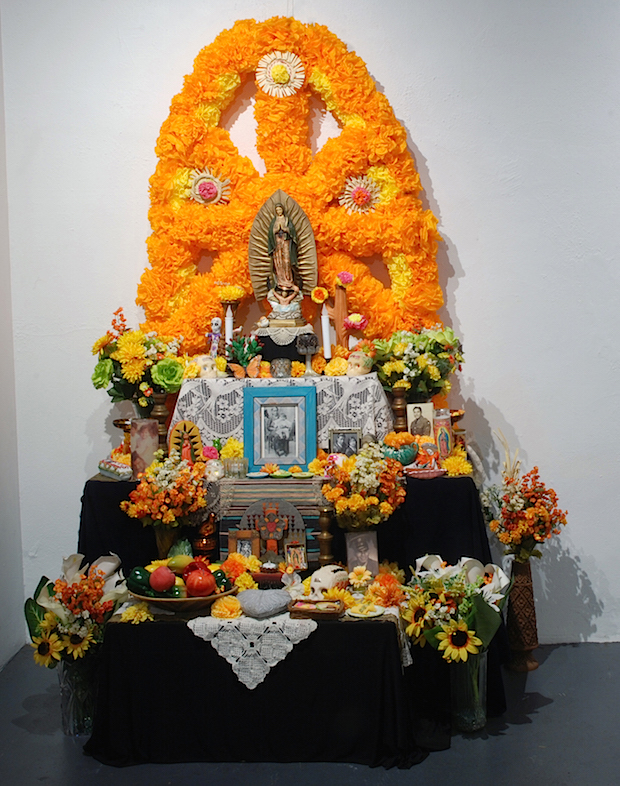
[(279, 426), (244, 541), (420, 420), (362, 550), (345, 440)]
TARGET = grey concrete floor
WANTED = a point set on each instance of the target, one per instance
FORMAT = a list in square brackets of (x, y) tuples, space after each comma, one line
[(561, 728)]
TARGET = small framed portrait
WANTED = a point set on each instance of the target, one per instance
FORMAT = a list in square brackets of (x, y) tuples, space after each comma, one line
[(345, 440), (295, 556), (144, 437), (362, 550), (244, 541), (420, 420), (279, 426)]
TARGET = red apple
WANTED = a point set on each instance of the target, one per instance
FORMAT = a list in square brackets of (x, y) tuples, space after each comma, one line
[(162, 579)]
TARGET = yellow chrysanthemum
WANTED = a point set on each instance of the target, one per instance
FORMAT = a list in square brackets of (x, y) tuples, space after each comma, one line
[(47, 648), (456, 641), (133, 370), (137, 613), (245, 582), (191, 371), (337, 367), (306, 585), (298, 369), (457, 464), (220, 363), (232, 449), (77, 645), (227, 608), (129, 346), (402, 383)]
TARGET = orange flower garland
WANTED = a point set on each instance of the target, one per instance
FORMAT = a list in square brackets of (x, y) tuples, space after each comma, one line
[(371, 153)]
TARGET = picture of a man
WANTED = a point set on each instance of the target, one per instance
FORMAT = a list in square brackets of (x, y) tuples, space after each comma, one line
[(362, 550), (420, 426)]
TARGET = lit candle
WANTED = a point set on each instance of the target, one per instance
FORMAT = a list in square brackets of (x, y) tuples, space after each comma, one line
[(325, 331), (228, 325)]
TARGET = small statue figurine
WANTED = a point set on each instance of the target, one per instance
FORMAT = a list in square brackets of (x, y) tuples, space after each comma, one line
[(359, 363), (215, 335)]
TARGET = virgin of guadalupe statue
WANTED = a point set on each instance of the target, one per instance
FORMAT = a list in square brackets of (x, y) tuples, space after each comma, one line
[(282, 251), (282, 247)]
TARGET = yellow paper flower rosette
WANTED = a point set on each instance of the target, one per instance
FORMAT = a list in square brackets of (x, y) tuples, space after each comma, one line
[(227, 608)]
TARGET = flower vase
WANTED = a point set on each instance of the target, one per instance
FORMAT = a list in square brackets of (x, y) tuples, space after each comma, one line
[(468, 692), (164, 537), (160, 413), (78, 691), (399, 409), (521, 619)]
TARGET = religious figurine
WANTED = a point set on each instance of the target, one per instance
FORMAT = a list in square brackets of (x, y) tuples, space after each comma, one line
[(359, 363), (282, 250)]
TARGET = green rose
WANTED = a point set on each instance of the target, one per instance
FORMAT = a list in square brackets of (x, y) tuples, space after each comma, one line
[(102, 373), (168, 374)]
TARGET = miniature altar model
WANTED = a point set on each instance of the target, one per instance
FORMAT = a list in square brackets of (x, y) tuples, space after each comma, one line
[(216, 405)]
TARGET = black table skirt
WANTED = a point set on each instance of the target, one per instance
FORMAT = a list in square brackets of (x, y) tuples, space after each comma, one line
[(152, 671), (340, 696)]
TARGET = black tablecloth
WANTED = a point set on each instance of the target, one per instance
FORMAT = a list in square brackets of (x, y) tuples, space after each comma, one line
[(167, 696), (144, 666)]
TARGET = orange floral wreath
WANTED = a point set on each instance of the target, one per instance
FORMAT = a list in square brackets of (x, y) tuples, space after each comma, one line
[(359, 191)]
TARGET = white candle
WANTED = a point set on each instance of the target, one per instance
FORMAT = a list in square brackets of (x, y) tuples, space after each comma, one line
[(228, 325), (325, 331)]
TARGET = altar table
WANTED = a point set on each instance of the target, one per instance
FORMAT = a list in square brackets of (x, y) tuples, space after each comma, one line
[(342, 691)]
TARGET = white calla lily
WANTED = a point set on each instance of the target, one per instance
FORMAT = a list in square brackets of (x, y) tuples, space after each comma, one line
[(50, 603), (434, 564), (109, 565), (71, 568)]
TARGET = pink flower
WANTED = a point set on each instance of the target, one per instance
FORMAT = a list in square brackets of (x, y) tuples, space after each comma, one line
[(345, 278), (356, 322), (209, 452), (207, 190)]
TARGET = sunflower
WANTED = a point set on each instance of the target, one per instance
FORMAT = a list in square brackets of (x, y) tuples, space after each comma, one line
[(416, 614), (48, 623), (336, 593), (47, 648), (457, 641), (77, 645)]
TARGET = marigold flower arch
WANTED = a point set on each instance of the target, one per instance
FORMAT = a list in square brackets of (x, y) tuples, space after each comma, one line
[(177, 299)]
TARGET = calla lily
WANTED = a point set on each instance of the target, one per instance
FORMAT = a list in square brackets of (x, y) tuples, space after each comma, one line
[(109, 565), (495, 580), (71, 568), (433, 563), (50, 603)]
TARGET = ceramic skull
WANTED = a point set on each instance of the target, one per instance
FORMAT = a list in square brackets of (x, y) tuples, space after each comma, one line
[(325, 578)]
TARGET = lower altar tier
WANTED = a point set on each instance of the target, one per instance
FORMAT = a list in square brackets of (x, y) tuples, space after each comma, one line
[(216, 405)]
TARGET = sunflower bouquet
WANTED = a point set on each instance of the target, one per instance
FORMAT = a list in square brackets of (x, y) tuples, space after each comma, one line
[(522, 512), (66, 618), (365, 488), (455, 608), (168, 493), (419, 362), (133, 365)]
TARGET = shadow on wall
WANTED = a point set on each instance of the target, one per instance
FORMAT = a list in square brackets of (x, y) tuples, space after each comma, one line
[(562, 583)]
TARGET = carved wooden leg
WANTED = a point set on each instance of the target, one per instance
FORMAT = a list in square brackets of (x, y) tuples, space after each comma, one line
[(399, 408), (325, 538)]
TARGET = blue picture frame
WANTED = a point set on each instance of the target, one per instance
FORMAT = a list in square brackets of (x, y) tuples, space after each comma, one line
[(279, 426)]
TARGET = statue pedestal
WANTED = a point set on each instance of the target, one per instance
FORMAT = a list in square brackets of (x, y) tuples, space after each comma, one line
[(279, 338)]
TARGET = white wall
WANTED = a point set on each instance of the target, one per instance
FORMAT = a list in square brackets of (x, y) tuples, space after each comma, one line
[(512, 116), (12, 626)]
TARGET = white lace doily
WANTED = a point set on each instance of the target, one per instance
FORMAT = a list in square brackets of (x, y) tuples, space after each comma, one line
[(252, 647), (216, 405)]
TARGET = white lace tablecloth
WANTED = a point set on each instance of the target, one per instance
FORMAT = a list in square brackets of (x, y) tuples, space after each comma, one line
[(252, 647), (216, 405)]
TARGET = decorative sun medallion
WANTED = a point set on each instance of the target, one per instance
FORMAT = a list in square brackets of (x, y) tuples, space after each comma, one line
[(208, 189), (280, 74), (360, 194)]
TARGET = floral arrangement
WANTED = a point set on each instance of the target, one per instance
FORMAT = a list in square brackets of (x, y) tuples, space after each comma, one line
[(456, 608), (365, 488), (132, 364), (457, 463), (360, 191), (420, 362), (522, 512), (170, 491), (66, 618)]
